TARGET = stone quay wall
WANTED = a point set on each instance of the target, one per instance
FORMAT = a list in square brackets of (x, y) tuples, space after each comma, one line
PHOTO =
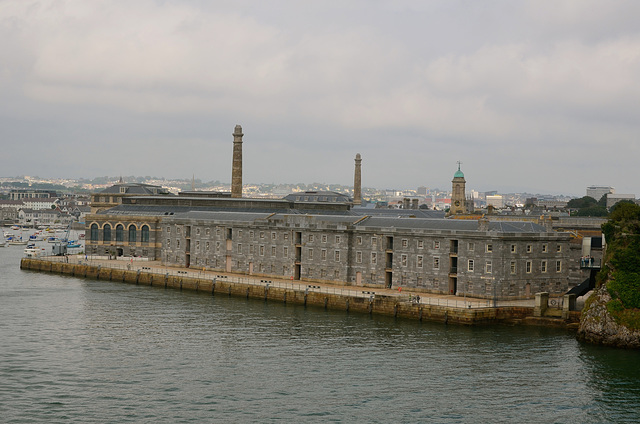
[(397, 306)]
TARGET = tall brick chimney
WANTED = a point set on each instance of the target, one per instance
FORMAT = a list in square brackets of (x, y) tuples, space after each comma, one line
[(357, 182), (236, 171)]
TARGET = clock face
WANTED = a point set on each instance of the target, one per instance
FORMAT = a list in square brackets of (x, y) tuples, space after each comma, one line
[(457, 203)]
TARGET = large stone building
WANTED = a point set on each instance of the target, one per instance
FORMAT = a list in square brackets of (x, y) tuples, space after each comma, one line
[(112, 196), (307, 237)]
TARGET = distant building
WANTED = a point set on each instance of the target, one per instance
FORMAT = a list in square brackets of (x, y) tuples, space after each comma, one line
[(28, 193), (495, 200), (612, 199), (598, 191)]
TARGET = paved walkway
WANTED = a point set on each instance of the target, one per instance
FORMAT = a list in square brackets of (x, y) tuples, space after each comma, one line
[(403, 294)]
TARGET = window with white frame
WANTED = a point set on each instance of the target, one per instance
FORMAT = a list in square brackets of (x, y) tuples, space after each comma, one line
[(543, 266), (488, 267), (436, 262), (419, 261), (358, 257), (374, 257), (489, 248), (470, 265), (528, 267), (512, 267)]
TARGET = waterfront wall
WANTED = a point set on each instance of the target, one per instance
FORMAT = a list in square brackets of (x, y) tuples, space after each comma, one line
[(378, 304)]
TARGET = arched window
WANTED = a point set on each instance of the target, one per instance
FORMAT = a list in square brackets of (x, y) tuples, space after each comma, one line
[(106, 233), (145, 234), (132, 233), (94, 232), (119, 230)]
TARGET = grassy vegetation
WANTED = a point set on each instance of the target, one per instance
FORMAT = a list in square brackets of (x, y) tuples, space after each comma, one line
[(622, 273)]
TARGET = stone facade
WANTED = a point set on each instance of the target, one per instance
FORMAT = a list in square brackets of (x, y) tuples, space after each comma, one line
[(472, 261), (123, 236)]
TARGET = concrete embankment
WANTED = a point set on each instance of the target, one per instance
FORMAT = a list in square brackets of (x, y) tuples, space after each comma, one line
[(350, 300)]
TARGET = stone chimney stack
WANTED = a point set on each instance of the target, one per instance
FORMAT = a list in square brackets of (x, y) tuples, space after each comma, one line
[(357, 182), (236, 171)]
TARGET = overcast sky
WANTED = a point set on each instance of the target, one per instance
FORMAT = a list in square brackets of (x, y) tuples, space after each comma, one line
[(537, 96)]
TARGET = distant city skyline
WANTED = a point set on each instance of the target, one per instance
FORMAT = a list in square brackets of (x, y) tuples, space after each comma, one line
[(536, 97)]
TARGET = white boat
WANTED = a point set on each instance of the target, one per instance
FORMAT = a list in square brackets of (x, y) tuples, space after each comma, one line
[(17, 242), (33, 252)]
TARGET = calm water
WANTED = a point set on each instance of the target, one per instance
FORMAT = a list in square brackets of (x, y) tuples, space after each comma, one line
[(75, 350)]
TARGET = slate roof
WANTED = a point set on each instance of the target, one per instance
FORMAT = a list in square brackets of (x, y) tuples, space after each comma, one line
[(135, 188)]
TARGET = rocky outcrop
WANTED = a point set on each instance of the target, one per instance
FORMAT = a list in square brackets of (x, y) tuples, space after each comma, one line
[(597, 326)]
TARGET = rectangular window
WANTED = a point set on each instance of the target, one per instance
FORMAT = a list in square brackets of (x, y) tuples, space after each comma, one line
[(168, 243), (559, 248), (488, 268), (177, 244), (405, 243), (261, 234), (239, 248), (544, 248), (513, 248), (513, 267), (436, 245), (285, 252), (436, 262), (261, 250), (208, 231), (251, 234), (197, 231), (528, 248), (489, 248), (419, 261), (273, 236), (169, 230), (197, 246), (206, 246), (528, 267), (338, 239), (323, 254), (217, 246), (403, 260), (324, 238), (470, 265), (558, 266), (471, 247), (420, 244), (359, 239), (359, 257), (374, 257), (374, 241), (310, 253), (285, 236), (273, 251), (251, 249), (543, 266), (337, 256)]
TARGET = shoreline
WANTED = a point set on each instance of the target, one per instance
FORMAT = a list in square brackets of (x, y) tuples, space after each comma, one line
[(408, 305)]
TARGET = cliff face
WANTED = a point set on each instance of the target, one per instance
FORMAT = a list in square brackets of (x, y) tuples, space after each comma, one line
[(598, 326)]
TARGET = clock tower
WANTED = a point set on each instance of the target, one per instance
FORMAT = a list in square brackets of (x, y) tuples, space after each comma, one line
[(458, 195)]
